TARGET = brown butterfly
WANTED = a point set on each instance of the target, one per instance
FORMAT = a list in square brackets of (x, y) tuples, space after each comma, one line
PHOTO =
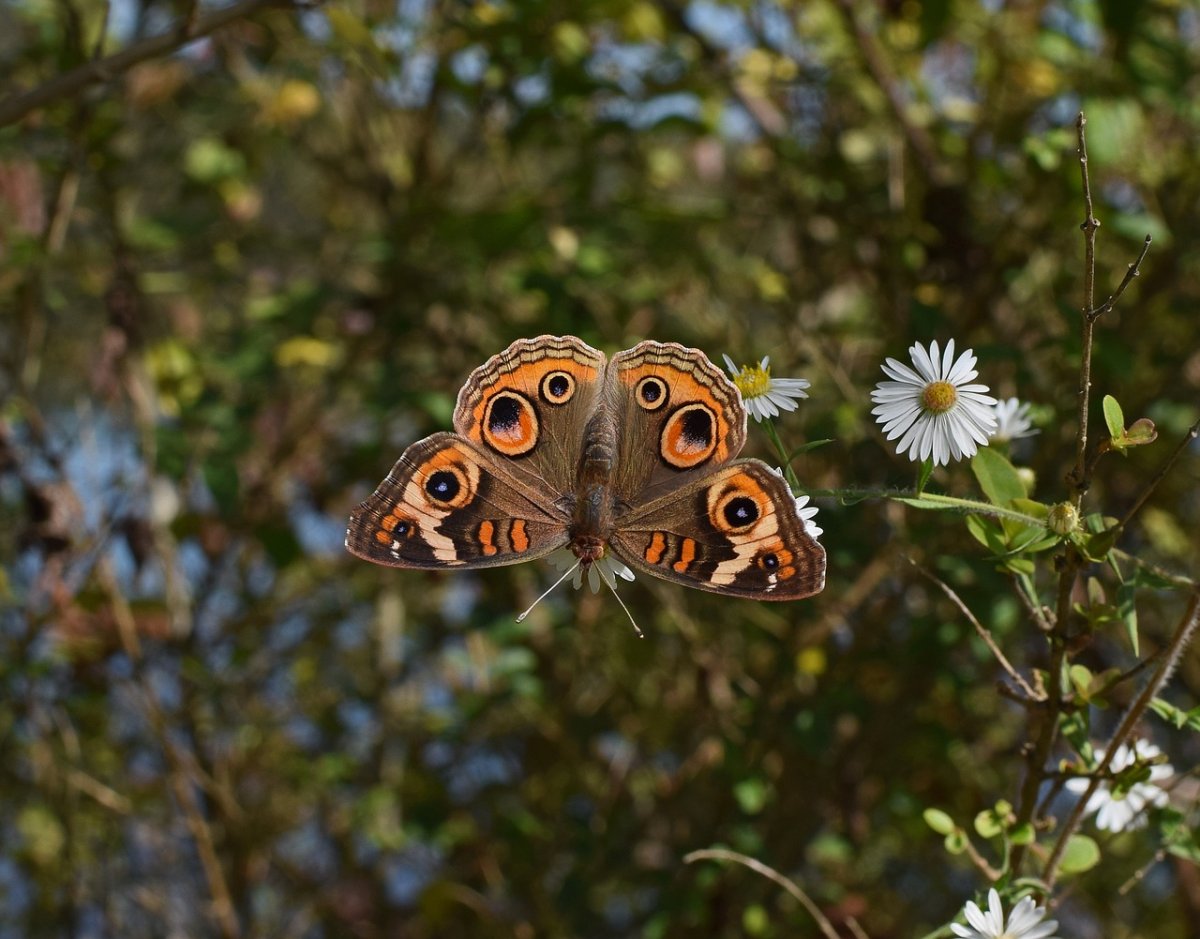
[(556, 446)]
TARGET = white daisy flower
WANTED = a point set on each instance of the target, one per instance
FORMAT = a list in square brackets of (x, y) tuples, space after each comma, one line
[(604, 571), (933, 410), (1012, 420), (1024, 922), (1127, 811), (806, 512), (763, 395)]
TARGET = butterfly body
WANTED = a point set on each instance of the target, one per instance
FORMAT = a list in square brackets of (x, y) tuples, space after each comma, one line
[(558, 446)]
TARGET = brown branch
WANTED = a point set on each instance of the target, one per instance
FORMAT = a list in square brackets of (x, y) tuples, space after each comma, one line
[(1076, 478), (918, 138), (1130, 274), (1145, 494), (984, 634), (721, 854), (1166, 666), (15, 107)]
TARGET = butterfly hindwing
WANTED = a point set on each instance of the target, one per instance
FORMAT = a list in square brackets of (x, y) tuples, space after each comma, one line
[(736, 531), (447, 504)]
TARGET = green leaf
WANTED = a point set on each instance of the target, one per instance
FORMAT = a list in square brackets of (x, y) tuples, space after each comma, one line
[(923, 475), (997, 477), (1022, 834), (806, 447), (1176, 716), (939, 821), (1081, 678), (956, 841), (1114, 417), (1127, 610), (1081, 854), (751, 795), (987, 824), (1141, 432)]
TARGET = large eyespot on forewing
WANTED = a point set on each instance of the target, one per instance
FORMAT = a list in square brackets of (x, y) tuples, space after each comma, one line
[(689, 436), (510, 423)]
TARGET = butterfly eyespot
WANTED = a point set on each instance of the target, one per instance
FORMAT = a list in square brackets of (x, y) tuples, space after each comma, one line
[(689, 436), (651, 393), (558, 387), (769, 561), (443, 486), (741, 511), (510, 424)]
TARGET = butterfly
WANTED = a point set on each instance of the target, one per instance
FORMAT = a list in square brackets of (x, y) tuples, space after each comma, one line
[(557, 446)]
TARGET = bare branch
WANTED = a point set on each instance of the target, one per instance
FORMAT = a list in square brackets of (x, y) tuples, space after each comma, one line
[(15, 107), (721, 854), (984, 634), (1166, 666)]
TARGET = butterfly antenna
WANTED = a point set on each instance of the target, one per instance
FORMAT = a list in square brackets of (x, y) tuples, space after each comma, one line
[(636, 628), (521, 618)]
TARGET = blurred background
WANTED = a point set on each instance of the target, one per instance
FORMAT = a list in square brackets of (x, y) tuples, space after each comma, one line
[(238, 278)]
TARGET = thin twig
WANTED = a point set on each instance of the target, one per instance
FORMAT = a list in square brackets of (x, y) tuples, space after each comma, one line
[(1145, 494), (983, 632), (1089, 226), (15, 107), (1130, 274), (721, 854), (918, 138), (1166, 666)]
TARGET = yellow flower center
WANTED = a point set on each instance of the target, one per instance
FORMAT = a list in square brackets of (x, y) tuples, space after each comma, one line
[(939, 396), (753, 381)]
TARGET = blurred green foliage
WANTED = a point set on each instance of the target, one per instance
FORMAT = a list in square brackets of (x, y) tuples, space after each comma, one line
[(238, 279)]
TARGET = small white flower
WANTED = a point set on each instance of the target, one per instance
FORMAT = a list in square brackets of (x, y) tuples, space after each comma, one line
[(1024, 922), (1012, 420), (1126, 812), (604, 571), (806, 512), (763, 395), (933, 410)]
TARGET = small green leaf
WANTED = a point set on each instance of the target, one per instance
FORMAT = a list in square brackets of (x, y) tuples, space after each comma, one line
[(924, 474), (1114, 417), (997, 477), (751, 795), (987, 824), (1081, 854), (1141, 432), (1127, 610), (806, 447), (1022, 834), (1081, 678), (939, 821), (956, 841)]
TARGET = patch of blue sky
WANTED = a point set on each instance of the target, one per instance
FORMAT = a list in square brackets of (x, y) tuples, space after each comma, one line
[(724, 26), (411, 88), (532, 90), (408, 873), (1077, 22), (624, 64), (320, 535), (308, 848), (948, 73), (645, 114), (470, 64), (478, 768)]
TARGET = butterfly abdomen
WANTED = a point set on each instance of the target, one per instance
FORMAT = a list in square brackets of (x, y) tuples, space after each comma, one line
[(591, 522)]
